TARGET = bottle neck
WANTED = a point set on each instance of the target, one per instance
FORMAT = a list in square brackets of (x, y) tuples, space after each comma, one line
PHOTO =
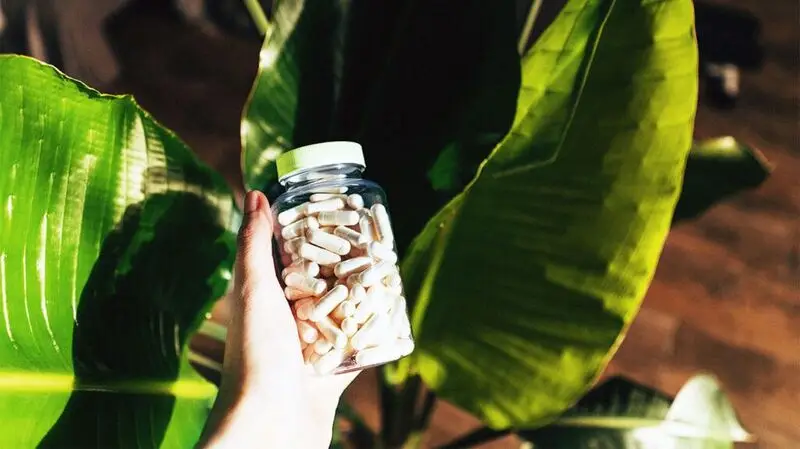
[(302, 178)]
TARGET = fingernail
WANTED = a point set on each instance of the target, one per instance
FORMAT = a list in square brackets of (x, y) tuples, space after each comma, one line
[(252, 201)]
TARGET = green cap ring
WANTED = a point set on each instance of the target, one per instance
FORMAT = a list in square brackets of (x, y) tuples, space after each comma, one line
[(318, 155)]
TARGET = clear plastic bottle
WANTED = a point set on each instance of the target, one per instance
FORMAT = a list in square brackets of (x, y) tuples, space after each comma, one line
[(338, 260)]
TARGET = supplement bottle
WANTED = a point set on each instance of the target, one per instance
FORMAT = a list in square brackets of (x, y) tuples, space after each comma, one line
[(338, 260)]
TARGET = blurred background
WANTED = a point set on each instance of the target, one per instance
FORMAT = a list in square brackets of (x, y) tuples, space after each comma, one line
[(726, 297)]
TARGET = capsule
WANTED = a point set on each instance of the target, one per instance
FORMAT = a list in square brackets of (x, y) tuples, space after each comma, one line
[(339, 190), (352, 236), (384, 353), (332, 333), (307, 332), (322, 346), (332, 243), (317, 197), (337, 217), (357, 294), (382, 224), (393, 280), (328, 362), (291, 215), (299, 227), (307, 283), (380, 251), (349, 326), (375, 273), (327, 303), (316, 254), (371, 333), (366, 229), (347, 267), (303, 307), (309, 355), (294, 294), (292, 246), (355, 201), (344, 310), (399, 318), (302, 266), (333, 204)]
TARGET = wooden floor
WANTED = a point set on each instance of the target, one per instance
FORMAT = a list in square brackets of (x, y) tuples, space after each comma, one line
[(726, 298)]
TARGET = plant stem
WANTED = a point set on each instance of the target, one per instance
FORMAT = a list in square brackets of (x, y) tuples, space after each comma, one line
[(525, 36), (424, 417), (258, 16)]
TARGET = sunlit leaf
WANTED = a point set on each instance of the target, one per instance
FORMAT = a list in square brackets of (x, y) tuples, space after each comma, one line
[(542, 262), (113, 241)]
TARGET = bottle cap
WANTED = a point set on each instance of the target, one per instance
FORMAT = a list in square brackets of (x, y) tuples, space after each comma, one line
[(318, 155)]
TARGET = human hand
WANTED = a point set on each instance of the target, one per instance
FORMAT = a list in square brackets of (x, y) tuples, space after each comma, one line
[(268, 397)]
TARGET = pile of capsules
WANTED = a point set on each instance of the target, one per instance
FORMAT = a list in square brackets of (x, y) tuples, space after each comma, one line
[(343, 283)]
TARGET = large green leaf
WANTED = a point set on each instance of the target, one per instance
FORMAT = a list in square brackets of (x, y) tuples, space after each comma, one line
[(113, 242), (623, 415), (718, 168), (540, 265), (428, 88)]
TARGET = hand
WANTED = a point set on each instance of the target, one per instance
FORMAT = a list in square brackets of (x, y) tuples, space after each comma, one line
[(268, 398)]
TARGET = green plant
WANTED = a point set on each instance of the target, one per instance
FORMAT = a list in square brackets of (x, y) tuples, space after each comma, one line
[(559, 229)]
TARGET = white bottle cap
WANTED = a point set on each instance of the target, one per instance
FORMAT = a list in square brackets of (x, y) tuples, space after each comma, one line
[(318, 155)]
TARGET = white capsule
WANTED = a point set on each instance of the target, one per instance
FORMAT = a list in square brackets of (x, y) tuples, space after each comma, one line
[(302, 282), (322, 346), (291, 215), (349, 326), (337, 217), (301, 266), (331, 190), (316, 254), (303, 307), (329, 362), (333, 204), (380, 251), (307, 332), (327, 241), (299, 227), (371, 333), (355, 201), (375, 273), (384, 353), (351, 235), (344, 310), (357, 293), (393, 280), (382, 224), (332, 333), (347, 267), (294, 294), (366, 229), (317, 197), (327, 303), (309, 355), (399, 318), (292, 246), (376, 300)]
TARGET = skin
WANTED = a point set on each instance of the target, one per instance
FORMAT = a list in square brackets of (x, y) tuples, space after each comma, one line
[(268, 398)]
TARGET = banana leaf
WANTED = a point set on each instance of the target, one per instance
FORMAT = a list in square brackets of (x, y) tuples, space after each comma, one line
[(718, 168), (427, 88), (623, 415), (114, 240), (526, 282)]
